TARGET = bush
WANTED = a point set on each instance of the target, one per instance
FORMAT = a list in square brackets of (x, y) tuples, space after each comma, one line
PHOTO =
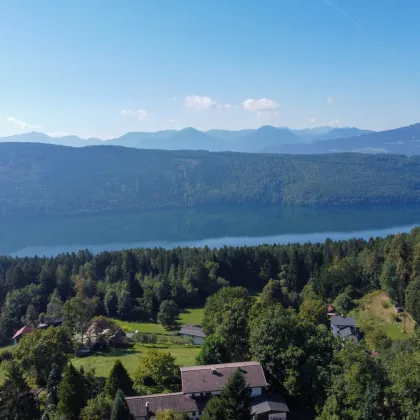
[(386, 304), (395, 318)]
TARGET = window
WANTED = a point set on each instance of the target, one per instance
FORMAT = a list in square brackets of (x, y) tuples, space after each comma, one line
[(193, 413)]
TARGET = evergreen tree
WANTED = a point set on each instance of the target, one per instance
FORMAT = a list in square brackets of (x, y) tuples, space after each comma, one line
[(71, 393), (54, 379), (236, 397), (16, 400), (215, 410), (120, 410), (118, 379)]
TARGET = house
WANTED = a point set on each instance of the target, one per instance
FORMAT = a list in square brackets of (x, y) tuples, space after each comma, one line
[(330, 310), (200, 383), (345, 327), (194, 331), (50, 322), (119, 338), (20, 333)]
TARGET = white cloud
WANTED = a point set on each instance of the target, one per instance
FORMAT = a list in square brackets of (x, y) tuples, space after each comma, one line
[(312, 120), (141, 114), (200, 102), (22, 124), (172, 120), (334, 123), (330, 99), (260, 105)]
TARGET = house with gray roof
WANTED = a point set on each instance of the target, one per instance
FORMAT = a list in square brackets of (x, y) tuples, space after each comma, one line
[(194, 331), (345, 327), (200, 383)]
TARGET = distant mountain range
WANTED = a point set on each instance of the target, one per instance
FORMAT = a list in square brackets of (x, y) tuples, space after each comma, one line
[(266, 139)]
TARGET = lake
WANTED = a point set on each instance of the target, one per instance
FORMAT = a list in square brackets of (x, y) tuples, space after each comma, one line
[(213, 226)]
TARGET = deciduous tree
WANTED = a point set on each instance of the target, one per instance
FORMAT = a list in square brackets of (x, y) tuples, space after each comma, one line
[(213, 351)]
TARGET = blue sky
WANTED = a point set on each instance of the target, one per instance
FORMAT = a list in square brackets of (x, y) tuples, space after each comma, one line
[(103, 68)]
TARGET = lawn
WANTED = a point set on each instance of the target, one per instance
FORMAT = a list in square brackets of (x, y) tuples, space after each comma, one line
[(187, 316), (191, 316), (103, 362), (374, 311), (144, 327)]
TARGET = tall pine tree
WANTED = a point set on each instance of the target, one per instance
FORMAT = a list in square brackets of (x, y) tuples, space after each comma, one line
[(118, 379), (16, 400), (71, 393), (234, 402), (236, 397), (120, 410), (54, 379)]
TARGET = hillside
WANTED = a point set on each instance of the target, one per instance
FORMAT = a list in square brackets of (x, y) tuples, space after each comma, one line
[(342, 133), (47, 179), (403, 140)]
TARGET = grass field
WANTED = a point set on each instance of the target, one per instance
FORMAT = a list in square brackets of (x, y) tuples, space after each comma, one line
[(374, 312), (191, 316), (187, 316), (103, 362), (145, 327)]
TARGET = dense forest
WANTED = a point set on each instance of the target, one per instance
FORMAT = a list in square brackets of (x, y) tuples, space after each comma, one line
[(132, 284), (48, 179), (286, 328)]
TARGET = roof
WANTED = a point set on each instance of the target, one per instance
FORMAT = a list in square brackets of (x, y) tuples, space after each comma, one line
[(177, 401), (266, 403), (347, 332), (330, 308), (343, 321), (194, 330), (23, 331), (53, 320), (203, 379), (36, 391)]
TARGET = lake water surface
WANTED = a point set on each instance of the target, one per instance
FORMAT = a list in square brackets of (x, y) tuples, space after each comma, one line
[(213, 226)]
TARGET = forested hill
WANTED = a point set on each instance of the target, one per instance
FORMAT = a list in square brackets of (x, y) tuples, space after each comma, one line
[(48, 179)]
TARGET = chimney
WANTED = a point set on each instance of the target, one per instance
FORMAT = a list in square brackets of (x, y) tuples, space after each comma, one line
[(213, 370), (147, 410)]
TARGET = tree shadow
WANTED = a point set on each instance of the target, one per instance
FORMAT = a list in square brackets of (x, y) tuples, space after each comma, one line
[(115, 352)]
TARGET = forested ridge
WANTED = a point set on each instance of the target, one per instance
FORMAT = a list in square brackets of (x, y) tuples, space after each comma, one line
[(132, 284), (286, 328), (47, 179)]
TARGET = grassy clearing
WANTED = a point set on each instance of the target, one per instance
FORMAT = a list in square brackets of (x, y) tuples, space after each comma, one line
[(145, 327), (374, 312), (103, 362), (191, 316), (187, 316)]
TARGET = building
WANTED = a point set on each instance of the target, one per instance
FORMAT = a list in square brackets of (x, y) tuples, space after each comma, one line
[(200, 383), (50, 322), (330, 310), (345, 327), (20, 333), (194, 331)]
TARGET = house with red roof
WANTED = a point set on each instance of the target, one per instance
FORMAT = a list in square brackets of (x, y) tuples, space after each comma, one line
[(20, 333)]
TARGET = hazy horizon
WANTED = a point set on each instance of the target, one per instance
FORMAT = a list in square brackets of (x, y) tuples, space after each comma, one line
[(151, 66)]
